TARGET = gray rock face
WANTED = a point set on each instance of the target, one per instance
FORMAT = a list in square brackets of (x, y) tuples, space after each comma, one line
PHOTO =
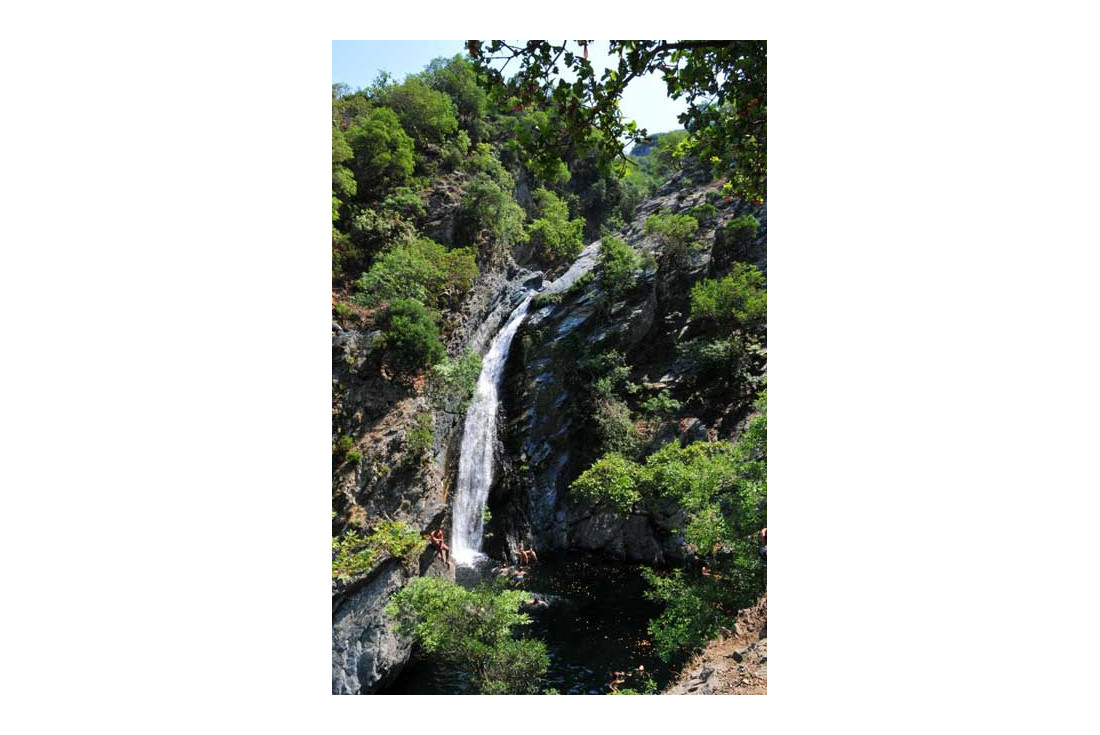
[(366, 653), (541, 456)]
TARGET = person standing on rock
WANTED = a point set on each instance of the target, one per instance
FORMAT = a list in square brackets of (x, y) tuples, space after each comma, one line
[(441, 547)]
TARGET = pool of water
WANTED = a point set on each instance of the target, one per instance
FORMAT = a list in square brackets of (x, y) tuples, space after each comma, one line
[(594, 625)]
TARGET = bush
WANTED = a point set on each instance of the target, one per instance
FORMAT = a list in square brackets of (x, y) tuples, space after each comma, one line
[(618, 266), (553, 233), (383, 152), (421, 269), (428, 116), (412, 337), (405, 203), (704, 214), (661, 404), (343, 445), (420, 439), (717, 364), (456, 78), (488, 212), (453, 382), (355, 554), (547, 298), (737, 301), (354, 457), (612, 481), (674, 232), (473, 630), (615, 428)]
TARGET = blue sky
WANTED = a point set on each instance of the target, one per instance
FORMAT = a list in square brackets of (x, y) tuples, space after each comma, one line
[(357, 63)]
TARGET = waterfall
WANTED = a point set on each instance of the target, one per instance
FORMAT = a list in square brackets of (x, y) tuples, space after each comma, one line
[(475, 462)]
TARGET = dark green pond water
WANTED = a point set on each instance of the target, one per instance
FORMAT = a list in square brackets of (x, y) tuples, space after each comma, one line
[(594, 625)]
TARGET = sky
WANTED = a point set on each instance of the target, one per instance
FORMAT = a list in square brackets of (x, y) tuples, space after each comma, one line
[(357, 63)]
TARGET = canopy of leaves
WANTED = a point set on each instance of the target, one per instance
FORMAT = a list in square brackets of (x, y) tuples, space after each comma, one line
[(411, 338), (427, 115), (723, 82), (674, 232), (555, 235), (453, 382), (457, 78), (739, 300), (383, 152), (612, 481), (356, 554), (618, 266), (489, 213), (474, 630), (421, 269)]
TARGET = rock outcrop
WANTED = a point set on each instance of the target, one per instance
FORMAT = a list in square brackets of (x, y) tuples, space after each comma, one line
[(542, 448)]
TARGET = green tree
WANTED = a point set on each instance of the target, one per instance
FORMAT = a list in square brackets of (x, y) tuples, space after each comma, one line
[(674, 232), (555, 235), (453, 382), (618, 266), (474, 630), (427, 115), (421, 269), (383, 152), (724, 84), (489, 213), (411, 338), (457, 78), (612, 481), (739, 300)]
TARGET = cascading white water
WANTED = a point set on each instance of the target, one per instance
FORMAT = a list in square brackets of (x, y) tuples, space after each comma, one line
[(475, 463)]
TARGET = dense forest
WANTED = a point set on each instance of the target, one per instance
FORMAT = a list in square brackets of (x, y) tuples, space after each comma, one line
[(521, 273)]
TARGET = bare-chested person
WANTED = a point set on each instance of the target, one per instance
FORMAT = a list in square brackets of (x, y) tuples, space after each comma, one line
[(441, 548)]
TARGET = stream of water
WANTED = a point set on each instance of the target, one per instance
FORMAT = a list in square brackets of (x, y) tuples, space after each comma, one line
[(475, 463)]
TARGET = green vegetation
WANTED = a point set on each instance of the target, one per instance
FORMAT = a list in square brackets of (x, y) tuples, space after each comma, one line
[(355, 554), (425, 114), (674, 232), (618, 266), (704, 214), (421, 269), (474, 630), (453, 382), (723, 82), (547, 298), (343, 445), (412, 338), (420, 439), (661, 404), (383, 152), (489, 213), (737, 301), (722, 489), (555, 235)]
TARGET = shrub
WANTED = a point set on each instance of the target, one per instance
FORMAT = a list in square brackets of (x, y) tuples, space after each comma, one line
[(547, 298), (674, 232), (412, 337), (354, 457), (421, 269), (661, 404), (343, 445), (704, 214), (615, 428), (488, 212), (473, 630), (552, 232), (453, 382), (342, 310), (738, 300), (405, 203), (742, 228), (383, 152), (428, 116), (457, 79), (612, 481), (420, 439), (717, 364), (355, 554), (618, 265)]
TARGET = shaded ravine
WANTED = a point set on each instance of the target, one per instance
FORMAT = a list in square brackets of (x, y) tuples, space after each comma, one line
[(475, 464)]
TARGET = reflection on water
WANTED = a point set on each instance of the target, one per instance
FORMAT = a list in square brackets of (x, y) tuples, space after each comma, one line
[(594, 625)]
